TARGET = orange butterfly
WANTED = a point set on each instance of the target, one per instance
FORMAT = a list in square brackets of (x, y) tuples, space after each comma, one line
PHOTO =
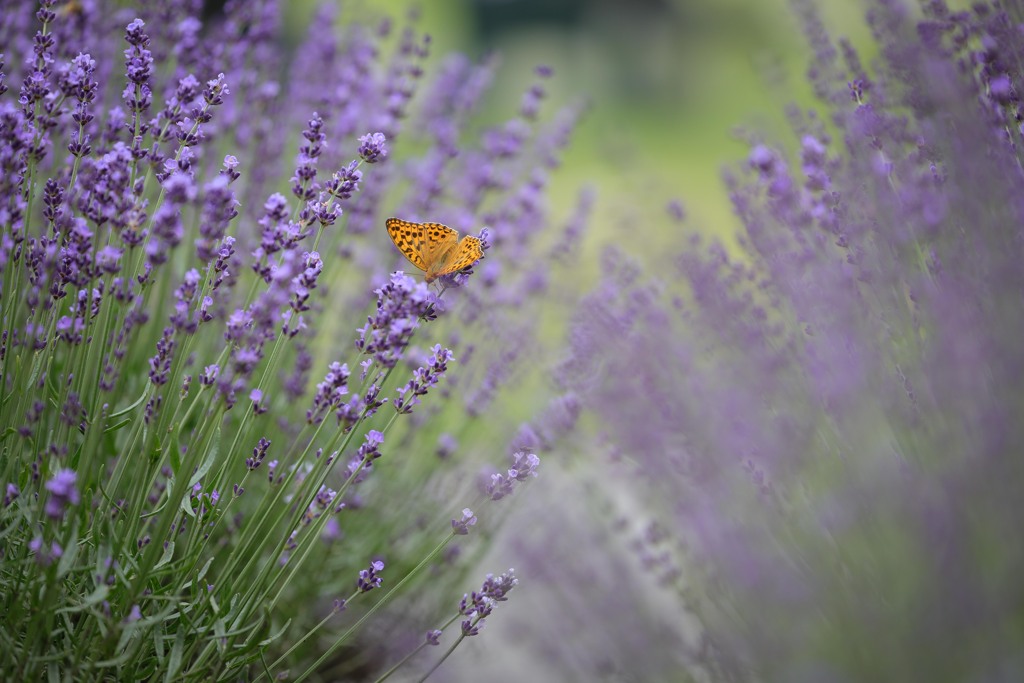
[(434, 248)]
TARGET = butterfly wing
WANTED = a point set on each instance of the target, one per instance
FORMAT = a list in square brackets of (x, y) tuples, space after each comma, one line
[(469, 252), (411, 240), (441, 243)]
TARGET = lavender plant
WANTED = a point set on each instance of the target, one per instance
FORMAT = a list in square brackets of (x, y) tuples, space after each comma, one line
[(207, 362), (820, 431)]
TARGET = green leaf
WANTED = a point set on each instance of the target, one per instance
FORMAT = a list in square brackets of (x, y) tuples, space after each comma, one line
[(199, 576), (158, 646), (118, 660), (67, 560), (51, 384), (115, 427), (13, 527), (274, 636), (211, 457), (167, 556), (205, 568), (186, 503), (219, 631), (155, 512), (176, 655), (175, 456), (94, 598), (138, 401), (37, 363)]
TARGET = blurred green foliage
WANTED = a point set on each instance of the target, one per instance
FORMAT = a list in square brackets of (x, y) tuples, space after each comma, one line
[(668, 82)]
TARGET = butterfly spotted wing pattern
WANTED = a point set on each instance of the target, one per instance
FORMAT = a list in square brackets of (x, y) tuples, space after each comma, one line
[(434, 248), (469, 252), (410, 240)]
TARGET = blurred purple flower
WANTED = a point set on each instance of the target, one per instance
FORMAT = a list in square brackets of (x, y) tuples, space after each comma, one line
[(11, 493), (461, 526), (446, 446), (63, 493), (825, 416)]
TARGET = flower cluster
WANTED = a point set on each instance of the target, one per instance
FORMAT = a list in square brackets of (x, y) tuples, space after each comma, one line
[(423, 378), (822, 420), (524, 466), (460, 527), (190, 218), (478, 605), (62, 493), (401, 304), (369, 578)]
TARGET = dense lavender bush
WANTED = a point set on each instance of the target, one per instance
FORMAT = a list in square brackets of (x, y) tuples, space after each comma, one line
[(817, 438), (208, 365)]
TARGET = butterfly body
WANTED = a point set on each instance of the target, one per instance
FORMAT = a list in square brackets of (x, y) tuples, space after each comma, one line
[(434, 248)]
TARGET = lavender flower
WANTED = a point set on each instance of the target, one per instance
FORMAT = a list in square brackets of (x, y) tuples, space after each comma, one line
[(401, 304), (137, 95), (478, 605), (303, 185), (345, 183), (209, 375), (372, 148), (423, 379), (258, 406), (446, 446), (11, 493), (524, 465), (63, 493), (219, 209), (370, 450), (497, 588), (460, 526), (45, 556), (329, 393), (368, 578)]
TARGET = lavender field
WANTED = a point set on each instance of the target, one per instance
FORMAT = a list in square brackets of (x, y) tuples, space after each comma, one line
[(252, 429)]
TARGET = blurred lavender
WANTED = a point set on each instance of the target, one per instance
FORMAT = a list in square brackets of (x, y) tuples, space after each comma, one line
[(197, 285), (816, 440)]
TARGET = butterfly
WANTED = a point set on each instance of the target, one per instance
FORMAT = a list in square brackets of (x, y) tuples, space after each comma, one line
[(434, 248)]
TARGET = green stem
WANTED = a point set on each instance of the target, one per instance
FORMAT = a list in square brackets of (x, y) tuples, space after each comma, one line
[(314, 531), (383, 677), (309, 634), (383, 601), (448, 653)]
